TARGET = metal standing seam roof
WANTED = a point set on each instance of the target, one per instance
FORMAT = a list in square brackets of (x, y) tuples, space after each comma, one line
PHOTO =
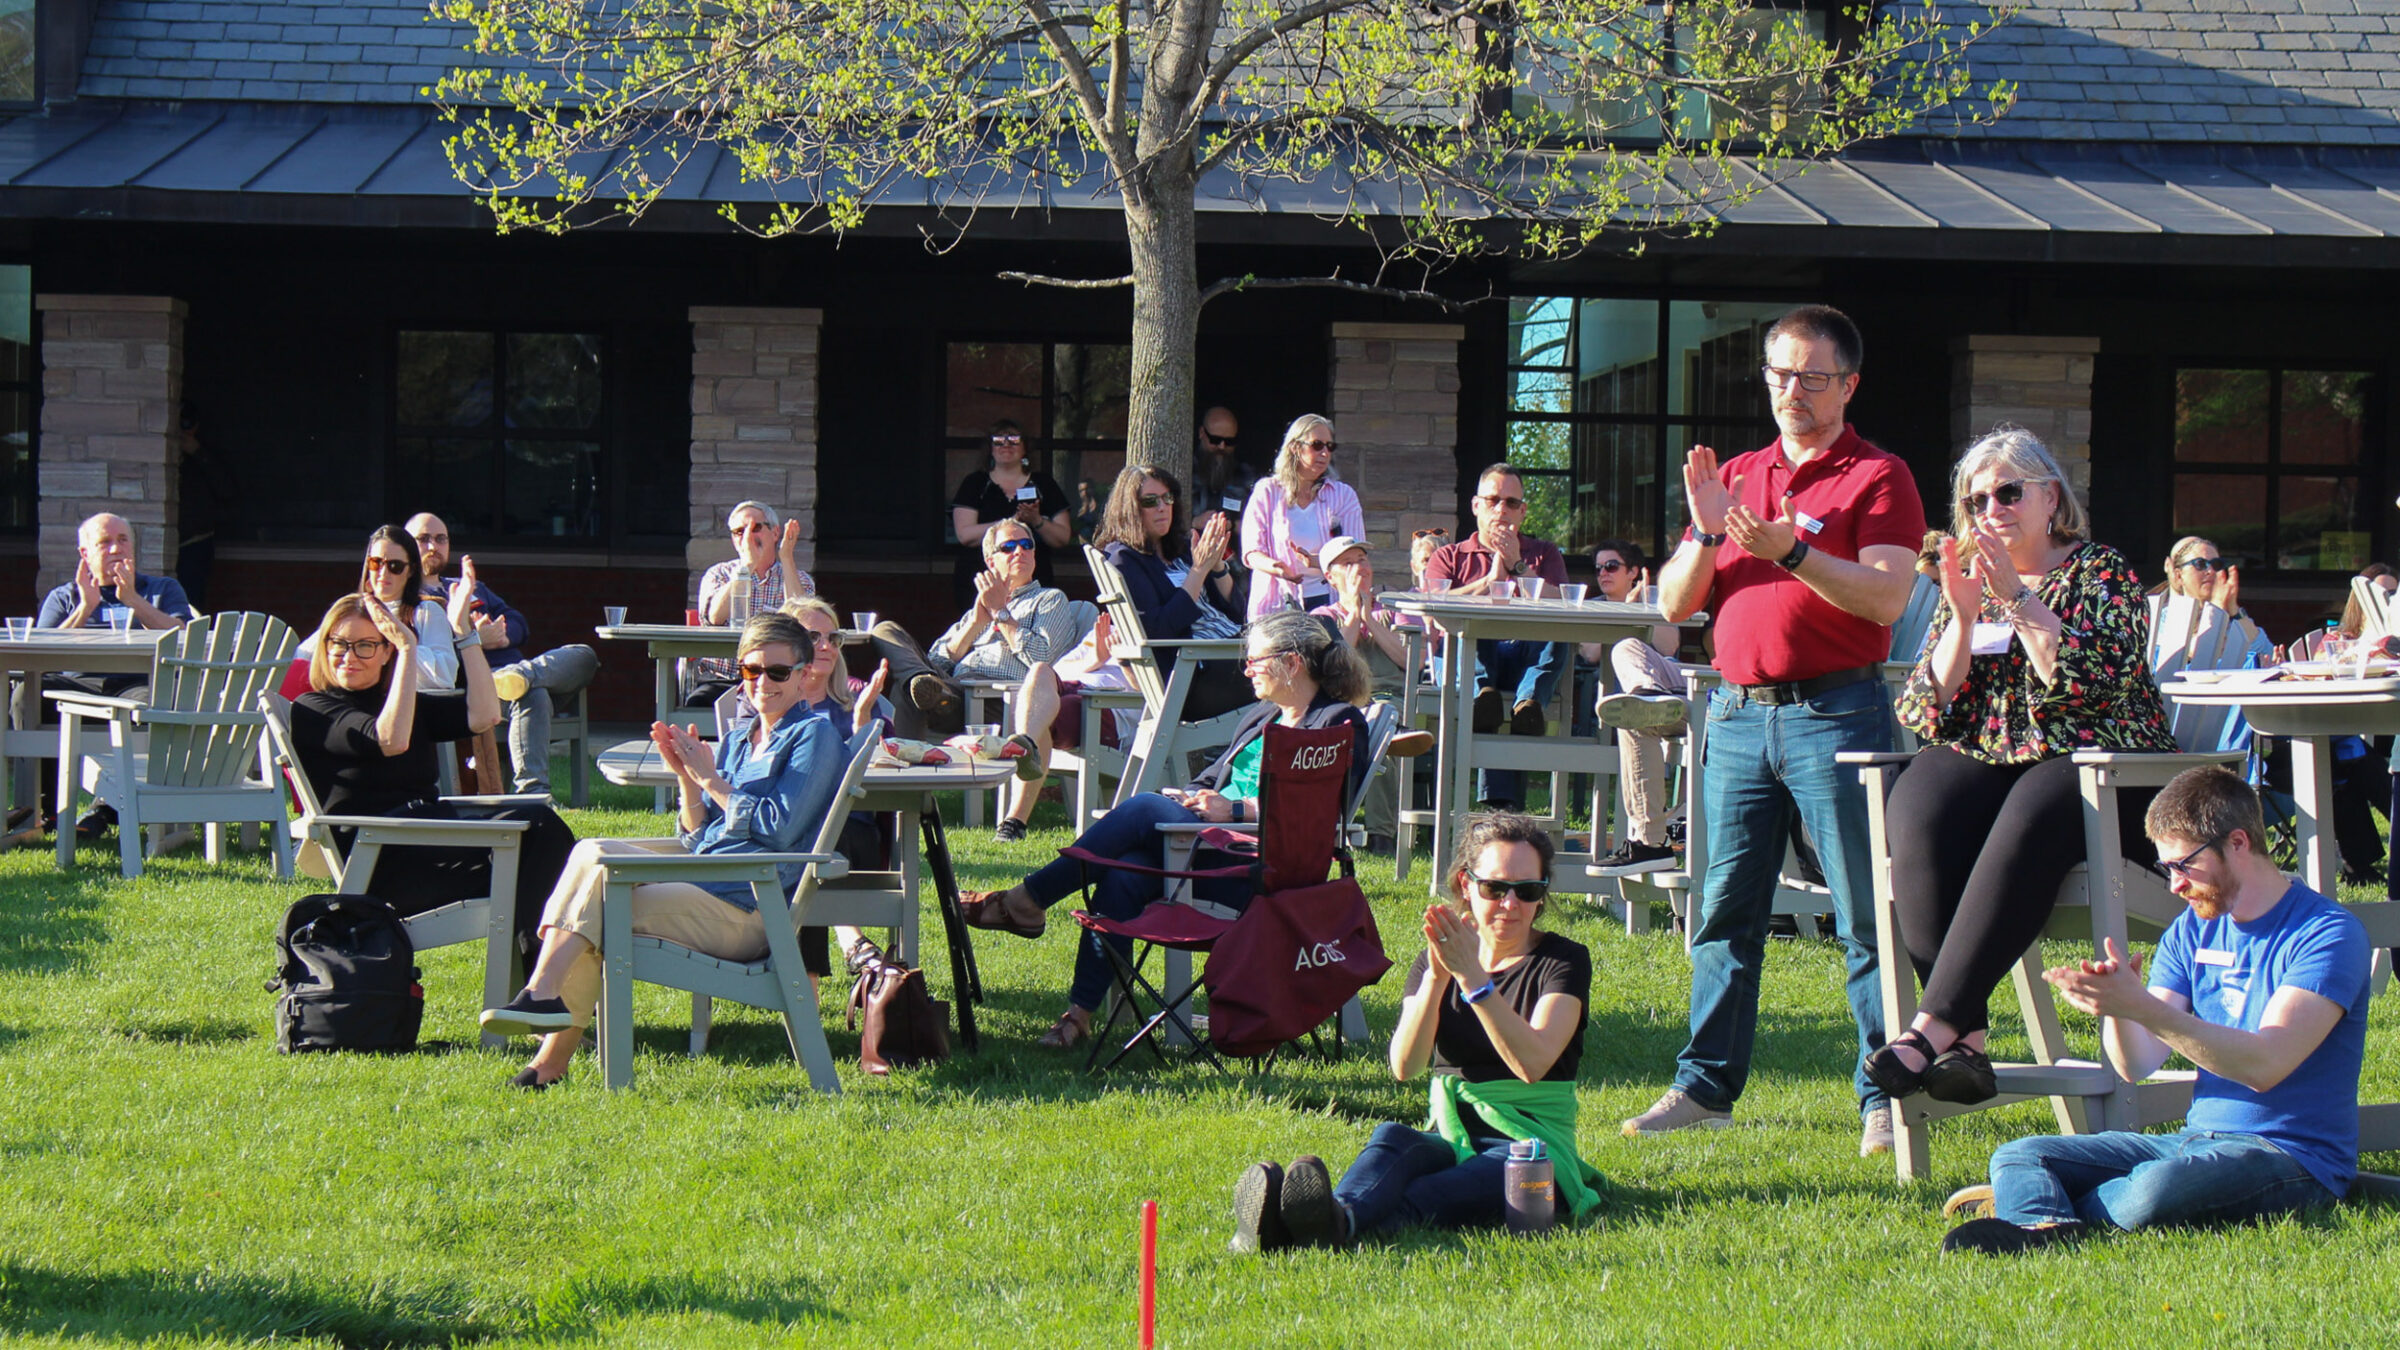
[(351, 152)]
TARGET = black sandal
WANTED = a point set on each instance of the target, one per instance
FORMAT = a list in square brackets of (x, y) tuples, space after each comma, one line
[(1961, 1074), (1889, 1072)]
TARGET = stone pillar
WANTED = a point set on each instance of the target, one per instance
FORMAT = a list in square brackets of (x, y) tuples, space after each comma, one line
[(1395, 411), (112, 384), (2043, 384), (754, 425)]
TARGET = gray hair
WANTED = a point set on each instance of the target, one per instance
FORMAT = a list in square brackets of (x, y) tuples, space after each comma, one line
[(734, 516), (993, 539), (2022, 454), (1338, 671)]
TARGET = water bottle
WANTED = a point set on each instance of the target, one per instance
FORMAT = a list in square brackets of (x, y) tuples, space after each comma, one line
[(738, 611), (1531, 1188)]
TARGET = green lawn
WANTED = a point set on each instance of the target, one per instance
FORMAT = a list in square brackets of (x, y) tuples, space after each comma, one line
[(166, 1177)]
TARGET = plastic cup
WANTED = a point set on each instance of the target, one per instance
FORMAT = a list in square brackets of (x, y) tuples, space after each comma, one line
[(1438, 585), (615, 614), (20, 629), (1573, 592), (1530, 588), (983, 728), (1504, 590), (864, 620), (1650, 596), (122, 621)]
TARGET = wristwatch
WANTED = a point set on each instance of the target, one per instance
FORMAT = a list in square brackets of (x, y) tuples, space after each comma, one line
[(1790, 562), (1708, 540)]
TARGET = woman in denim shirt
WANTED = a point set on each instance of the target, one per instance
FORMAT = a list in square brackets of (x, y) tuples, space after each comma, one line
[(766, 790)]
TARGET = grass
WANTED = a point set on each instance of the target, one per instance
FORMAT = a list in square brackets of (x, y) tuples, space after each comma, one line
[(170, 1179)]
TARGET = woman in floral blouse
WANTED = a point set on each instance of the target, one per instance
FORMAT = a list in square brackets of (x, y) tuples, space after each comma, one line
[(1983, 824)]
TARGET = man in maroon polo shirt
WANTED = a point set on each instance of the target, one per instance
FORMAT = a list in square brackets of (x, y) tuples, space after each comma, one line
[(1514, 679), (1803, 551)]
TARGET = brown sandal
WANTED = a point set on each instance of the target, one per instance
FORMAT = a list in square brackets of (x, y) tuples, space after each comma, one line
[(988, 909), (1067, 1032)]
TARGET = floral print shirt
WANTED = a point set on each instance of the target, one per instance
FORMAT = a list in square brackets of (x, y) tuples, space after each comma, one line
[(2101, 699)]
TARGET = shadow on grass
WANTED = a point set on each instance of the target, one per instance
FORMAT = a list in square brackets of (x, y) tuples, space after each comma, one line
[(189, 1031), (148, 1305), (573, 1306), (49, 922)]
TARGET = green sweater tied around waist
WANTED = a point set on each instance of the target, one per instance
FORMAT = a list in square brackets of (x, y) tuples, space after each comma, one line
[(1544, 1111)]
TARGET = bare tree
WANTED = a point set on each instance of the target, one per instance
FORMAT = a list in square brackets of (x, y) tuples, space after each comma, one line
[(1438, 129)]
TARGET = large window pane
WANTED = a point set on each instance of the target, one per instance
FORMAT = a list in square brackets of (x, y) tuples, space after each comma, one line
[(988, 381), (2324, 416), (1616, 357), (1715, 349), (2319, 525), (1541, 338), (450, 478), (553, 380), (16, 460), (2221, 416), (1093, 384), (1617, 484), (2228, 509), (445, 380), (553, 488)]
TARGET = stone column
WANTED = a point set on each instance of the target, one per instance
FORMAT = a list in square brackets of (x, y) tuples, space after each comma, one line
[(2043, 384), (754, 425), (1395, 411), (112, 384)]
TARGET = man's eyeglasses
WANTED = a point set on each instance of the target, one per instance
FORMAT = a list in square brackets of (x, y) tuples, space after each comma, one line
[(2181, 868), (1151, 501), (1013, 546), (428, 540), (1531, 892), (365, 649), (1498, 503), (754, 527), (1613, 566), (1814, 381), (395, 566), (777, 674), (2006, 494)]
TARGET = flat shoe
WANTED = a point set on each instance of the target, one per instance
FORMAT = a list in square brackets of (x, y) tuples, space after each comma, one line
[(1065, 1034), (1311, 1216), (530, 1079), (984, 909), (1963, 1075), (1891, 1073), (1258, 1210)]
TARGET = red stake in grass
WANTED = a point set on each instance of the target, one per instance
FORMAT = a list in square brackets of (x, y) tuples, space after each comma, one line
[(1149, 1274)]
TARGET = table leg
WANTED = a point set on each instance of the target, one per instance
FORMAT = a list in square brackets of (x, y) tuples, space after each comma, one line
[(966, 982), (665, 695), (25, 714), (2312, 788), (1454, 790)]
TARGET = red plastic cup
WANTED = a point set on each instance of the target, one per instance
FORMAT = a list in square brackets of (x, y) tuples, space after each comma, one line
[(691, 618)]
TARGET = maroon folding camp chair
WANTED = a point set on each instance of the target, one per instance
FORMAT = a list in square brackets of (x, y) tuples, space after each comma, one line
[(1303, 790)]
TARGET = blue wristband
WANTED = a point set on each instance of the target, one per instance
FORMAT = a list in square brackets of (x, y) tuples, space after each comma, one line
[(1479, 995)]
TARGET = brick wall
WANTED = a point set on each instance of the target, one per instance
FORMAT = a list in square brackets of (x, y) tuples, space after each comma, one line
[(1394, 407), (112, 378), (2043, 384), (754, 425)]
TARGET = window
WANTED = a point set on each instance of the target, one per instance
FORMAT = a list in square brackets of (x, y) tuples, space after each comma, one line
[(20, 381), (1559, 84), (1071, 399), (20, 81), (2269, 465), (502, 434), (1600, 422)]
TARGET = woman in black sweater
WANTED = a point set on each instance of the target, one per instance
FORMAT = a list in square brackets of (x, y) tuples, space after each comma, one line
[(365, 735), (1182, 586)]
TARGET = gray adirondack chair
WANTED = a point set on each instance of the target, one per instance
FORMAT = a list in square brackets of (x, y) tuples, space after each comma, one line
[(778, 982), (192, 755), (488, 919), (1160, 747)]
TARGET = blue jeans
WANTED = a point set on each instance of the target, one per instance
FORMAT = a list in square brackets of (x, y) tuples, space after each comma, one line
[(1764, 762), (2128, 1180), (1521, 671), (561, 670), (1128, 833), (1404, 1178)]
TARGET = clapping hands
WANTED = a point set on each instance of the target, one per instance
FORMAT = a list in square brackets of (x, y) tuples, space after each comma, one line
[(683, 752), (993, 590)]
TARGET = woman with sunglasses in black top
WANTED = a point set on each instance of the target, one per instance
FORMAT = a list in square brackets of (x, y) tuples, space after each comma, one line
[(764, 788), (1495, 1008), (1008, 489)]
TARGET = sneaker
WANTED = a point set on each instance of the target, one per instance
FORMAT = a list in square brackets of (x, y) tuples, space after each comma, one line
[(1526, 719), (510, 684), (1999, 1237), (526, 1015), (1311, 1216), (1676, 1111), (1258, 1210), (1632, 856), (1010, 830), (1027, 756), (1491, 709), (945, 710), (1651, 712), (1975, 1202), (1875, 1131), (1409, 744)]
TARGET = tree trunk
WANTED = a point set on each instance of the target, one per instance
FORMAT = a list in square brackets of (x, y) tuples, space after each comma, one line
[(1166, 324)]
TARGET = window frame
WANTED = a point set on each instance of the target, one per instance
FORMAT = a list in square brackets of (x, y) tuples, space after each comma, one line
[(31, 388), (606, 429), (2369, 471)]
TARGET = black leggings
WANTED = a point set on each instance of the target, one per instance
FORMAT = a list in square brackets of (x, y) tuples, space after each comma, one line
[(1979, 852), (414, 880)]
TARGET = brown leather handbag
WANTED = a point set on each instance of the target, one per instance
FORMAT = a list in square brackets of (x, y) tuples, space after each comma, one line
[(903, 1021)]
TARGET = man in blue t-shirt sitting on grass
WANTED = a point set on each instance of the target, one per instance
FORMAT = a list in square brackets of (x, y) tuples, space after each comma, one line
[(2262, 983)]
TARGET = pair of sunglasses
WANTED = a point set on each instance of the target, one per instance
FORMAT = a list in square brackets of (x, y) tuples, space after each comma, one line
[(1502, 503), (1437, 532), (1215, 439), (2182, 867), (395, 566), (776, 674), (2006, 494), (1327, 446), (2205, 564), (1013, 546), (1151, 501), (1614, 565), (1531, 892)]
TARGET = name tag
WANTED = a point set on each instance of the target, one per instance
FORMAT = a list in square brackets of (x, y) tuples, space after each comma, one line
[(1233, 504), (2208, 958), (1808, 522), (1991, 639)]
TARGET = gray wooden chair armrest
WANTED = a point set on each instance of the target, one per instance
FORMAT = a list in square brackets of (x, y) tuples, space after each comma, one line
[(1202, 648), (1873, 757), (827, 864), (502, 799), (92, 705), (395, 825)]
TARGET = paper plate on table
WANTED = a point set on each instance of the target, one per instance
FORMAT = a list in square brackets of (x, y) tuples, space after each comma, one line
[(2312, 670), (2203, 676)]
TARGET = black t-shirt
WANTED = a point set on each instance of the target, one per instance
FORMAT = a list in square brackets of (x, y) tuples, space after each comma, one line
[(1556, 965), (333, 733), (990, 502)]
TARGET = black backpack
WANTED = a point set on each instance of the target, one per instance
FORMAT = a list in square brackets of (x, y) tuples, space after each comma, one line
[(349, 977)]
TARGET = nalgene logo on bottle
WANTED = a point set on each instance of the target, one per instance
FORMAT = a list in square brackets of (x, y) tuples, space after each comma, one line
[(1323, 954)]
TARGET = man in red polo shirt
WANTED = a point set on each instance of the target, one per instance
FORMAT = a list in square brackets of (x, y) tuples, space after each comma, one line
[(1514, 678), (1803, 552)]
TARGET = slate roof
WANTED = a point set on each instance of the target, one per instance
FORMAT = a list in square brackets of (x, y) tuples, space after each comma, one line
[(272, 50)]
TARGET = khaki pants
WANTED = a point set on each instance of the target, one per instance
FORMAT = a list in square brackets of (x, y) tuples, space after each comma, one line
[(1642, 755), (677, 911)]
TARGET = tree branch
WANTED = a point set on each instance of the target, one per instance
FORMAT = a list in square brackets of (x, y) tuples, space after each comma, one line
[(1232, 285), (1087, 94), (1070, 283)]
